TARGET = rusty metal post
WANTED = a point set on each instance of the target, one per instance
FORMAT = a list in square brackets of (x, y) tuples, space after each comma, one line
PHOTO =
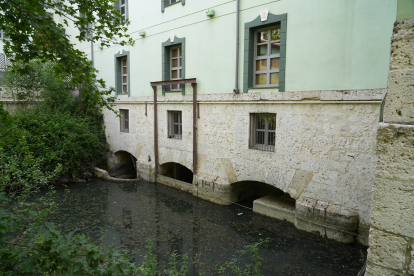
[(145, 108), (194, 85), (155, 132)]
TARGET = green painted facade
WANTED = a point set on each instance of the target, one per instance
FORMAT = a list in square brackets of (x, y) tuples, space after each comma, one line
[(405, 9), (330, 45)]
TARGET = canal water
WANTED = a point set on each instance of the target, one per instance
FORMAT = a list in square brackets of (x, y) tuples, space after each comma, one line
[(124, 215)]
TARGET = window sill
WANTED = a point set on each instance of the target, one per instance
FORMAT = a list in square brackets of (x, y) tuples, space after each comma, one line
[(172, 4), (262, 89), (122, 94), (263, 150)]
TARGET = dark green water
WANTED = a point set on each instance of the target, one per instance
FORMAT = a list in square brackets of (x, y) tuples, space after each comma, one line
[(125, 215)]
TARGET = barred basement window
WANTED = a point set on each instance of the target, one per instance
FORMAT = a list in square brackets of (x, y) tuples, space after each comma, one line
[(175, 129), (262, 131), (124, 120)]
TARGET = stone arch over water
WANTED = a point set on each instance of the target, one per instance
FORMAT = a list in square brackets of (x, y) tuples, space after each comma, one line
[(252, 189), (124, 165), (176, 171)]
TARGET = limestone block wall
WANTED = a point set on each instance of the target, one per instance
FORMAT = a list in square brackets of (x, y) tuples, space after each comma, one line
[(391, 238), (325, 143), (400, 97)]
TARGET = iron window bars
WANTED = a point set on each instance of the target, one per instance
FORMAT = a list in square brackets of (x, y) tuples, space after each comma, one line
[(176, 67), (175, 129), (262, 131), (267, 56), (124, 120)]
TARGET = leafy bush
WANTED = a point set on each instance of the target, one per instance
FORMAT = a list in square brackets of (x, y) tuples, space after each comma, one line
[(59, 131), (62, 138)]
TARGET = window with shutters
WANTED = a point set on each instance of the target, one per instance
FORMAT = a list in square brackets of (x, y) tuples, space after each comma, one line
[(267, 57), (265, 53), (176, 67), (123, 6), (166, 3), (175, 129), (2, 35), (173, 64), (124, 121), (262, 131), (122, 73)]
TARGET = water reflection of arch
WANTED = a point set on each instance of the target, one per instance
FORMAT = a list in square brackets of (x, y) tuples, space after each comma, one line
[(177, 171)]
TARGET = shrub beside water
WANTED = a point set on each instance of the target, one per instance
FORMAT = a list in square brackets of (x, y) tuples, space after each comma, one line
[(58, 131)]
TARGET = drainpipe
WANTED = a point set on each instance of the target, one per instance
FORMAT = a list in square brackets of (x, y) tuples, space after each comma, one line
[(236, 88)]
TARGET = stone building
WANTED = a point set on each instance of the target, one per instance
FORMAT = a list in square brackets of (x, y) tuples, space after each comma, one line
[(274, 99), (297, 126)]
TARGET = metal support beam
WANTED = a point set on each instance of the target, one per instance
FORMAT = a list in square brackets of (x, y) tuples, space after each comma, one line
[(196, 115), (194, 85), (155, 132)]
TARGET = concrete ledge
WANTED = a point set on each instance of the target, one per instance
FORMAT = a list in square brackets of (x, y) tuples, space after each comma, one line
[(332, 221), (267, 95), (102, 174), (181, 185), (275, 207)]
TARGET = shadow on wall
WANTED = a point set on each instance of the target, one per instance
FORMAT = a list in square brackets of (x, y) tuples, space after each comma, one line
[(125, 166), (177, 171)]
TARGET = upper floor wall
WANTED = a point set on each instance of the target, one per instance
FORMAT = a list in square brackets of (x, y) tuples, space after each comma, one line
[(330, 45)]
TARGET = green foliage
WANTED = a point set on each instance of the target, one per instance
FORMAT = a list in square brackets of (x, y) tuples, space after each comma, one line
[(34, 35), (149, 266), (251, 267), (29, 245), (58, 133), (62, 138), (174, 271)]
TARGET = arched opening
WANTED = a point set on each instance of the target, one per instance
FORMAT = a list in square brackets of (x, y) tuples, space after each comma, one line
[(249, 191), (125, 166), (176, 171), (266, 199)]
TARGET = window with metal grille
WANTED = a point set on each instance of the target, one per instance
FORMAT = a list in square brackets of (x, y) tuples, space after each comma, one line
[(262, 131), (124, 120), (175, 129)]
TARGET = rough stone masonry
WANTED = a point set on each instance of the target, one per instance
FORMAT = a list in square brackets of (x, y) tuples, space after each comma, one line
[(391, 236)]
